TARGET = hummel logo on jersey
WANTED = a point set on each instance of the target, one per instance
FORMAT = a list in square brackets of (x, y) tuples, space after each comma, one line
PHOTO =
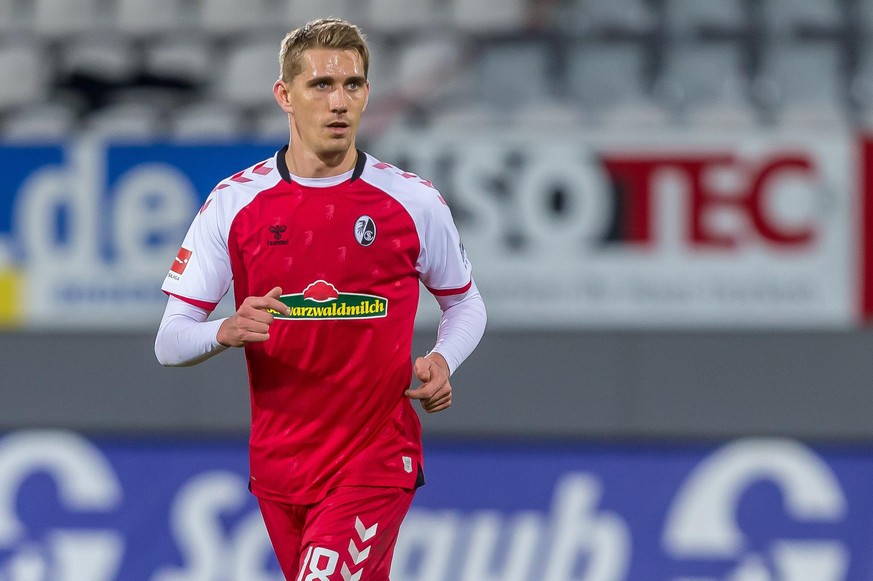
[(321, 300), (365, 230), (277, 230)]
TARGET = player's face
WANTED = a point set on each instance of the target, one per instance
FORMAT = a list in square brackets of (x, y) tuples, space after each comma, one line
[(326, 100)]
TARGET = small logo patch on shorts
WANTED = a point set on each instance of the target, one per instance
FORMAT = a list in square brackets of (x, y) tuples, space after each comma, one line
[(407, 464)]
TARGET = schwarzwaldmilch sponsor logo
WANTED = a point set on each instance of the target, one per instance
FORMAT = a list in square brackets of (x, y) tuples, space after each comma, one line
[(277, 230), (321, 300)]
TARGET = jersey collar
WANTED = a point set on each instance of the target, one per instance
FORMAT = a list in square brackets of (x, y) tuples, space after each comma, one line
[(282, 166)]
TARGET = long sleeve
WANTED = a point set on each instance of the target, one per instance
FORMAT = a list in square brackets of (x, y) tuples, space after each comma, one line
[(462, 325), (185, 337)]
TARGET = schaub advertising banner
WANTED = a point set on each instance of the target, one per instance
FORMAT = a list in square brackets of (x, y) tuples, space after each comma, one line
[(674, 230), (79, 509)]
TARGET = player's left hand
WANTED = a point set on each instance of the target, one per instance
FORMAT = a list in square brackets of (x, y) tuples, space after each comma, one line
[(435, 391)]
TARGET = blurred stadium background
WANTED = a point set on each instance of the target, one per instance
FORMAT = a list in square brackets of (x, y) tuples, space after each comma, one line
[(669, 207)]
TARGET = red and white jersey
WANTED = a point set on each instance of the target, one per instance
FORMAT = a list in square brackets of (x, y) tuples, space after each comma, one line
[(327, 399)]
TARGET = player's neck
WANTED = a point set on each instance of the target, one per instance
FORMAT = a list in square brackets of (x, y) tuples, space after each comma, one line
[(309, 164)]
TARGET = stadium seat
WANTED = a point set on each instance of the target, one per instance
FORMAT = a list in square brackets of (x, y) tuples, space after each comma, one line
[(401, 16), (126, 122), (548, 115), (861, 83), (693, 18), (426, 68), (787, 90), (8, 16), (797, 17), (603, 76), (608, 18), (250, 70), (706, 81), (631, 117), (383, 69), (141, 18), (468, 117), (208, 122), (111, 58), (185, 57), (270, 124), (26, 63), (63, 18), (611, 83), (299, 12), (863, 16), (478, 17), (227, 17), (513, 74), (40, 123), (377, 122), (395, 87)]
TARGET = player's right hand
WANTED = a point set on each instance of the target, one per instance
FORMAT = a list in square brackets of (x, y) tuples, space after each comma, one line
[(251, 322)]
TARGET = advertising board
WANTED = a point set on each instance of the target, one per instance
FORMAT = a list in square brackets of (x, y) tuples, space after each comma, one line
[(669, 230), (85, 509)]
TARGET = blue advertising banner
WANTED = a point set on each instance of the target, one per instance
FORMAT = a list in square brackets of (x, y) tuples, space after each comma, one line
[(88, 229), (74, 508)]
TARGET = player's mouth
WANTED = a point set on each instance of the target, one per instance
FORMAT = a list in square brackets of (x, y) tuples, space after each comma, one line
[(338, 128)]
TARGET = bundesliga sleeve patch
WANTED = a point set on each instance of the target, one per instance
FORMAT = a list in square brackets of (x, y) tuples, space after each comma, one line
[(180, 262)]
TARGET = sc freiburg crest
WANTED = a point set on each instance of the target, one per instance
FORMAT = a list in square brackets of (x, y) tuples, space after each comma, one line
[(365, 230)]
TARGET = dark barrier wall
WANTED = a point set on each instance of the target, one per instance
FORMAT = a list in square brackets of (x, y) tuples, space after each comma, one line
[(574, 385)]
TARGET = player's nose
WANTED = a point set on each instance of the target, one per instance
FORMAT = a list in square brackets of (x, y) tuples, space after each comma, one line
[(338, 101)]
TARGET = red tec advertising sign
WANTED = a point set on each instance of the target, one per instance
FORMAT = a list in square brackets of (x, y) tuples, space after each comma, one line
[(676, 229), (635, 177)]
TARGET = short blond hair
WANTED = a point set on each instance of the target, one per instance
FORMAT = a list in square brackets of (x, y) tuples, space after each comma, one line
[(321, 33)]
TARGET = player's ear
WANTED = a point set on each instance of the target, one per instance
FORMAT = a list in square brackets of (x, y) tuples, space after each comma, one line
[(280, 92)]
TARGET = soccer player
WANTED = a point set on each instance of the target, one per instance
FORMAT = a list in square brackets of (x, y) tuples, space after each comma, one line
[(325, 246)]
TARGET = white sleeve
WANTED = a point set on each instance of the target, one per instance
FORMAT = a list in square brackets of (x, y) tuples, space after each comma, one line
[(442, 263), (201, 272), (461, 326), (185, 337)]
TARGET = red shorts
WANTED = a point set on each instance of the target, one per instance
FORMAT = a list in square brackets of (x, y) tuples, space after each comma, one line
[(348, 535)]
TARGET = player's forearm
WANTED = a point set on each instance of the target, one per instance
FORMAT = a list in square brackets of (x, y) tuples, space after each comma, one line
[(461, 327), (185, 337)]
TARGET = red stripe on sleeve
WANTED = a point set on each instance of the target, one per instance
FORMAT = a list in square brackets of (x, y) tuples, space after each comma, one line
[(444, 292), (206, 306)]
